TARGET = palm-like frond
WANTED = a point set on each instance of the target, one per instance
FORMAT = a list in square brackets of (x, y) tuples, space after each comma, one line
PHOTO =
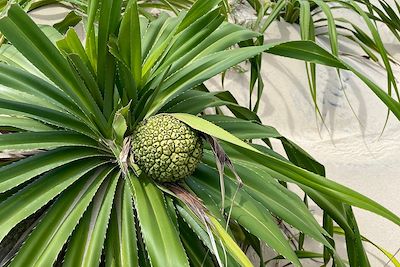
[(77, 108)]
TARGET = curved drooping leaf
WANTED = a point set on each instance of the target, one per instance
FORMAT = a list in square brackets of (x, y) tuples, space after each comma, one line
[(380, 47), (333, 207), (70, 20), (391, 257), (307, 51)]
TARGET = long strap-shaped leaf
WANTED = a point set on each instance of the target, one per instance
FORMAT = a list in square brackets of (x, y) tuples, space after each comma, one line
[(37, 194), (390, 256), (243, 129), (230, 244), (121, 247), (353, 242), (307, 30), (294, 173), (57, 118), (44, 140), (10, 55), (380, 47), (199, 8), (85, 247), (307, 51), (47, 239), (246, 210), (71, 44), (283, 197), (333, 206), (23, 81), (159, 233), (24, 123), (11, 94), (274, 14), (276, 198), (201, 70), (130, 43), (190, 38), (34, 45), (194, 102), (161, 44), (109, 17), (224, 37), (17, 173), (149, 34), (87, 77), (90, 45)]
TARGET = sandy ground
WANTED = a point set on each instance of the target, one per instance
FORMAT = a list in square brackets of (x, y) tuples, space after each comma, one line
[(350, 146)]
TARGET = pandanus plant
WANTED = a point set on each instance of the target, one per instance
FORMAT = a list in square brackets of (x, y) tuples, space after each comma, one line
[(112, 159)]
